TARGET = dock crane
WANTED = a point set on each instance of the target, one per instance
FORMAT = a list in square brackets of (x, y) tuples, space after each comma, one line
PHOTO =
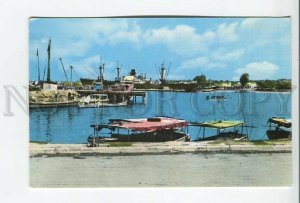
[(64, 69)]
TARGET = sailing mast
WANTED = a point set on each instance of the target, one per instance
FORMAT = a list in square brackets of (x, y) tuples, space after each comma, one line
[(49, 55), (38, 65), (71, 67), (44, 73)]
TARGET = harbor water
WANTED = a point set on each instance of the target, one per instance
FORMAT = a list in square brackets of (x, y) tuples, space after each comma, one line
[(71, 125)]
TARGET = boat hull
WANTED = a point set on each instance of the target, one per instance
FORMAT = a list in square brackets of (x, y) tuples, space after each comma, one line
[(100, 105), (157, 136), (278, 134), (51, 104), (227, 135)]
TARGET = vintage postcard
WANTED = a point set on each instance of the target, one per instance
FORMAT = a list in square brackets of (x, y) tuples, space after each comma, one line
[(160, 102)]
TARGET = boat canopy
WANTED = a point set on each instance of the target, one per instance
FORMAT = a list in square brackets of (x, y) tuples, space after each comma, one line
[(280, 122), (219, 124), (148, 124)]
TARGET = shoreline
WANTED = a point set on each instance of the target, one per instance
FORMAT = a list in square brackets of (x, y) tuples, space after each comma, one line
[(40, 150), (216, 90), (54, 104)]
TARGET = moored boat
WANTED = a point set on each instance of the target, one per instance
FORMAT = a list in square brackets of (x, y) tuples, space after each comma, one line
[(97, 101), (157, 129), (279, 128), (216, 98), (225, 129)]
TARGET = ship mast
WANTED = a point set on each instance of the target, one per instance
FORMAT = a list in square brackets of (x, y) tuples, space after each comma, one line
[(71, 67), (117, 79), (118, 72), (49, 55), (163, 74), (38, 64), (101, 72)]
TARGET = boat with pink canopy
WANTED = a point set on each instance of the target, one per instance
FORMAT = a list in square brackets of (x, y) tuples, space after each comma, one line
[(156, 129)]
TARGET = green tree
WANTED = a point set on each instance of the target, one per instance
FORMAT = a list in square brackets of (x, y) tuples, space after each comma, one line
[(266, 84), (283, 85), (244, 79), (201, 80)]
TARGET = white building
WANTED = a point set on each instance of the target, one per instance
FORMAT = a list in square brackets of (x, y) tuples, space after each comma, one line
[(251, 85)]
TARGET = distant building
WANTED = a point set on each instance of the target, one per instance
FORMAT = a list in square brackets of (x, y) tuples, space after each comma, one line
[(236, 85), (251, 85), (156, 82), (226, 85)]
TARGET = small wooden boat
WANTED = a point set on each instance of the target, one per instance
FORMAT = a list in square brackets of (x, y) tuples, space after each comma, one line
[(225, 129), (279, 128), (216, 98), (98, 101), (157, 129)]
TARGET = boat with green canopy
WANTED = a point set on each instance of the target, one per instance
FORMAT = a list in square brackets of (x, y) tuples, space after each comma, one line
[(225, 129), (279, 128)]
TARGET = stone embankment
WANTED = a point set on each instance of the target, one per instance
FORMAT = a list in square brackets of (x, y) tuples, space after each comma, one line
[(159, 148), (52, 97)]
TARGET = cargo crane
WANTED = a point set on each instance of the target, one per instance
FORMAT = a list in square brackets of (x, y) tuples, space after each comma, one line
[(64, 69), (72, 70)]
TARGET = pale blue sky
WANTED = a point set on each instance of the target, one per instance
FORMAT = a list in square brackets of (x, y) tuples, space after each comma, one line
[(220, 48)]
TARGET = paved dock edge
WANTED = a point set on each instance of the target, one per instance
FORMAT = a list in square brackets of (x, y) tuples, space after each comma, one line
[(38, 150)]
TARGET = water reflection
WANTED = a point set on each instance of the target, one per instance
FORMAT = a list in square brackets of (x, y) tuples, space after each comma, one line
[(49, 116)]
